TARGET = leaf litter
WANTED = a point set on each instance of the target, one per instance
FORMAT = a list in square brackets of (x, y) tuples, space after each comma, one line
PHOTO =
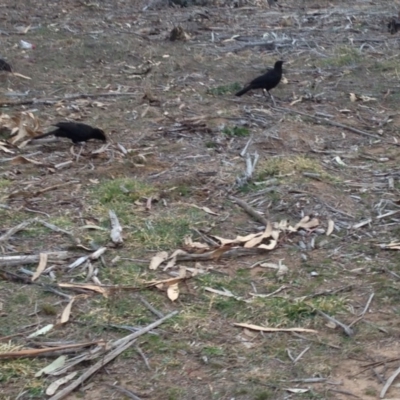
[(342, 124)]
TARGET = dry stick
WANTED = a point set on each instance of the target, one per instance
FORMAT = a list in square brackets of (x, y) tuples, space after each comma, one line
[(389, 382), (55, 228), (301, 355), (212, 255), (361, 316), (9, 261), (378, 376), (15, 229), (328, 122), (343, 392), (34, 352), (374, 364), (391, 272), (250, 210), (348, 331), (146, 361), (124, 391), (367, 305), (68, 97), (159, 314), (116, 228), (122, 344)]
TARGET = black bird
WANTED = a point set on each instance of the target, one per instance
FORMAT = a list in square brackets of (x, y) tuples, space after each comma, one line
[(76, 131), (267, 81), (5, 66)]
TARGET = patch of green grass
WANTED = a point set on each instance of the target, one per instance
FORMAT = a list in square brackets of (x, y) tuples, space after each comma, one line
[(122, 190), (168, 230), (311, 395), (162, 229), (21, 369), (224, 89), (213, 351), (62, 221), (265, 395), (286, 312), (279, 166), (35, 392), (124, 273), (4, 184), (21, 298), (228, 307), (248, 188), (371, 392), (211, 145), (183, 190), (385, 65), (238, 131), (342, 56), (175, 393)]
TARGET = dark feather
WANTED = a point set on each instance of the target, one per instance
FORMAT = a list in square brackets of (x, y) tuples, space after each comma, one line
[(76, 131)]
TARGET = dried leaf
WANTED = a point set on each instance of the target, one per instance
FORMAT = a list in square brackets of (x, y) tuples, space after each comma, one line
[(265, 235), (297, 390), (41, 331), (224, 292), (265, 329), (269, 246), (94, 288), (282, 270), (5, 149), (41, 267), (196, 245), (67, 312), (331, 226), (53, 387), (173, 257), (206, 209), (225, 241), (116, 228), (158, 259), (173, 292), (57, 363), (307, 223), (25, 160)]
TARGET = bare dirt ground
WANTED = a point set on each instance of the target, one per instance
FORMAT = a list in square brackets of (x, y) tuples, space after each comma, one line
[(328, 150)]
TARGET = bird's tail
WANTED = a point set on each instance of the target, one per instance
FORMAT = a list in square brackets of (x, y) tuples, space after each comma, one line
[(243, 91), (45, 134)]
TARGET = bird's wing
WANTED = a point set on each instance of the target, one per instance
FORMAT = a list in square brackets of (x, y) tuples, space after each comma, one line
[(64, 125)]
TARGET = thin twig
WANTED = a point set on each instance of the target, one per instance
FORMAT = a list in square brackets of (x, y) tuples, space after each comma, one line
[(329, 122), (348, 331), (146, 361), (367, 305), (118, 347), (159, 314), (65, 98), (124, 391), (389, 382), (250, 210)]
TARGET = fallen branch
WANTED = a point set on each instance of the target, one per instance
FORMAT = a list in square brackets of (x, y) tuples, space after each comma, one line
[(35, 352), (250, 210), (329, 122), (389, 382), (65, 98), (11, 261), (119, 346), (347, 330)]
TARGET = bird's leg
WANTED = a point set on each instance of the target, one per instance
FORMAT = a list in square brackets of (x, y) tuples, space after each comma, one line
[(80, 145), (272, 98)]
